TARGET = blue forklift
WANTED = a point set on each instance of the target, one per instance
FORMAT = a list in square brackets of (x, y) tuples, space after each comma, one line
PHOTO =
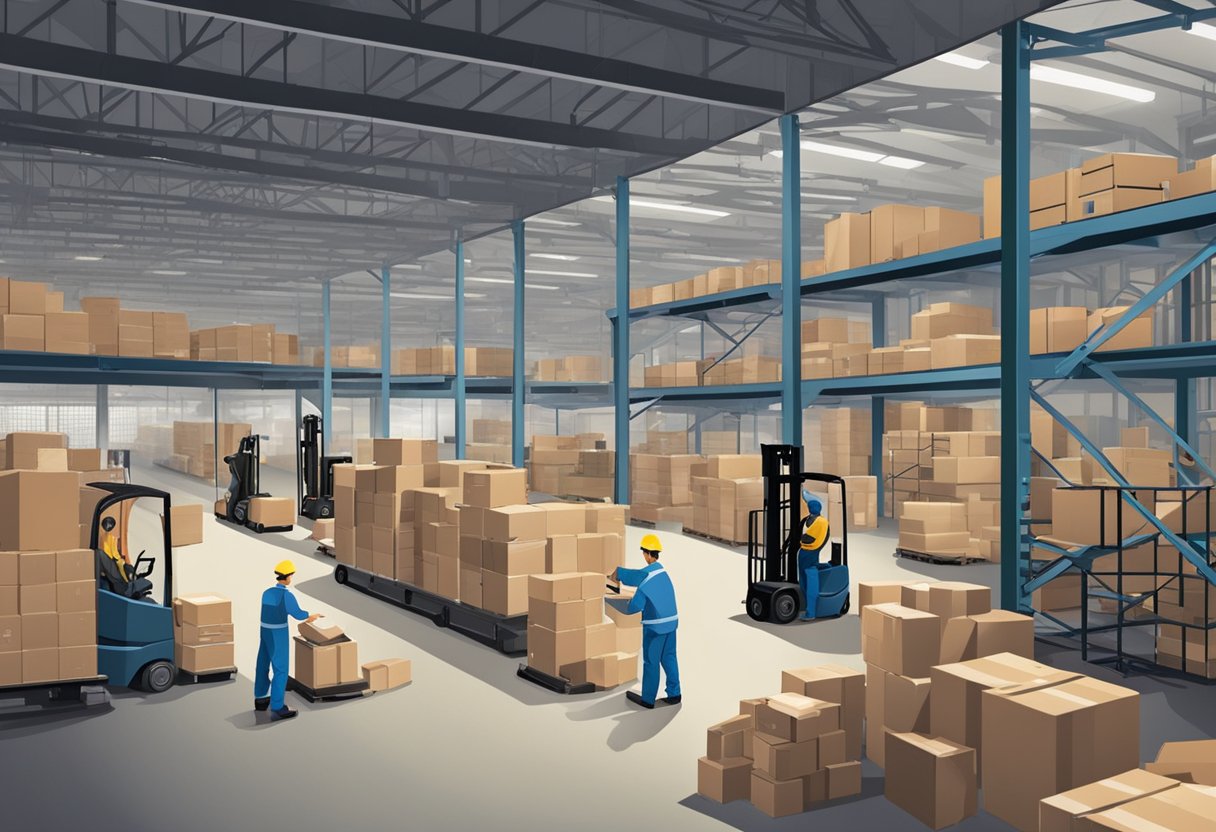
[(135, 630), (773, 537)]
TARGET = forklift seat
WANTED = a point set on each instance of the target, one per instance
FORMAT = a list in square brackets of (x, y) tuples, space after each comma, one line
[(110, 577)]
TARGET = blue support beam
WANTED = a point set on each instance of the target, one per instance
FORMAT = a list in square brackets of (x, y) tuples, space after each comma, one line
[(460, 393), (386, 352), (878, 404), (620, 345), (327, 370), (791, 282), (1184, 388), (1015, 303), (518, 383)]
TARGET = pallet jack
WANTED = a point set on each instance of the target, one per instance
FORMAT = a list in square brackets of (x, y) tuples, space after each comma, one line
[(246, 468), (316, 471), (773, 593), (560, 684)]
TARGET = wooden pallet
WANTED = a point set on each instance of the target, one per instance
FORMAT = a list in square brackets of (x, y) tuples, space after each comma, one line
[(943, 560)]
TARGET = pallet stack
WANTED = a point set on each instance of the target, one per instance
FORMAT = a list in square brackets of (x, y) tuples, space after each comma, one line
[(725, 490), (194, 448), (660, 487), (594, 477), (554, 458), (838, 441), (567, 633), (574, 368)]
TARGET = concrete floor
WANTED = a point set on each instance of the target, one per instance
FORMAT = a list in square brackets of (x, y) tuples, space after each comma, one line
[(468, 745)]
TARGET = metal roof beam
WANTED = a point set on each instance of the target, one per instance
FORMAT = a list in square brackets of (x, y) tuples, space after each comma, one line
[(472, 47), (56, 60)]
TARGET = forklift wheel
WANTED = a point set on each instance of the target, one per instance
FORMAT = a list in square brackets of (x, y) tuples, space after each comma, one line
[(259, 528), (785, 606), (844, 610), (757, 607), (340, 574), (157, 677)]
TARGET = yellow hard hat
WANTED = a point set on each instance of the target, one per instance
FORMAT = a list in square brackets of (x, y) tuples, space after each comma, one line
[(285, 567), (651, 543)]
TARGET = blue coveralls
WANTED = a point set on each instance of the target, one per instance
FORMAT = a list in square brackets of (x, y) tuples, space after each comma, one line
[(656, 601), (809, 546), (278, 602)]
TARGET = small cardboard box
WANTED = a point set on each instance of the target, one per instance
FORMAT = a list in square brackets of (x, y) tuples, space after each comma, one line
[(202, 610), (730, 738), (986, 634), (903, 641), (492, 489), (320, 632), (186, 524), (39, 630), (777, 798), (834, 683), (784, 760), (612, 669), (796, 718), (725, 780), (930, 778), (503, 594), (205, 658), (1064, 812), (76, 596), (1189, 762), (273, 512), (514, 522), (386, 674)]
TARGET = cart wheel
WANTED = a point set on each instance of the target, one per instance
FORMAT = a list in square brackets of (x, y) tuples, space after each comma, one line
[(259, 528), (340, 574), (757, 607), (157, 677), (785, 606)]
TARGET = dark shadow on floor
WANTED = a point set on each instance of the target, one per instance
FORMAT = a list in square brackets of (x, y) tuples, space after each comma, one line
[(838, 636), (482, 663)]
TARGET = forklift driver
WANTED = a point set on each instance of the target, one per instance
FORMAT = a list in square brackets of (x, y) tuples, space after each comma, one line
[(814, 537), (115, 570)]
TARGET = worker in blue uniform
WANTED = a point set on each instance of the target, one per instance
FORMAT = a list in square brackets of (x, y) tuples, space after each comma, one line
[(813, 538), (278, 603), (655, 599)]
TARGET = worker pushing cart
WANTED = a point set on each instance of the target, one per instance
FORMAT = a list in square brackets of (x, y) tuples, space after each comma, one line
[(278, 603), (655, 599)]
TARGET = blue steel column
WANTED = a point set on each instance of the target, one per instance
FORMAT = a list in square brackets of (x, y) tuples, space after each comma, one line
[(1015, 303), (620, 344), (1184, 390), (791, 282), (517, 334), (386, 352), (878, 404), (460, 392), (327, 374)]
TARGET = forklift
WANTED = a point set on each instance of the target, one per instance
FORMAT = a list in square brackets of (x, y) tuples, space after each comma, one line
[(246, 468), (774, 533), (316, 471), (134, 630)]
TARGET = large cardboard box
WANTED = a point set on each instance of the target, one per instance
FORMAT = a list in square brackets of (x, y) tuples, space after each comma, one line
[(514, 522), (890, 225), (846, 242), (1189, 762), (784, 760), (930, 778), (1065, 812), (206, 658), (1185, 808), (997, 631), (202, 610), (1041, 738), (273, 511), (26, 297), (493, 489), (796, 718), (1126, 170), (903, 641), (41, 510), (405, 452), (834, 683), (724, 780)]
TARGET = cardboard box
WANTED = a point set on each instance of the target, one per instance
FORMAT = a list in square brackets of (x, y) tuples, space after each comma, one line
[(730, 738), (1064, 812), (272, 512), (1126, 170), (777, 798), (846, 242), (1135, 335), (405, 452), (202, 610), (891, 225), (954, 599), (386, 674), (1187, 762), (843, 780), (78, 629), (76, 596), (186, 524), (514, 522), (1057, 328), (986, 634), (906, 703), (784, 760), (492, 489), (40, 665), (1041, 738), (505, 595), (209, 634), (42, 509), (833, 683), (21, 448), (39, 629), (566, 615), (519, 557), (931, 779), (724, 780), (796, 718), (904, 641), (206, 658), (1187, 807)]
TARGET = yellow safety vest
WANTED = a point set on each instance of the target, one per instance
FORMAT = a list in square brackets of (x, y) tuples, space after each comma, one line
[(814, 534)]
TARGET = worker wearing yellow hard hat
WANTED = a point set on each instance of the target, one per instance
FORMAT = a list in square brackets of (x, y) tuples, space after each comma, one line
[(278, 603), (655, 599)]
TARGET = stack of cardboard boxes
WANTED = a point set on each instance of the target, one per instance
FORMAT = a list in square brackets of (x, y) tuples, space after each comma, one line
[(500, 541), (594, 476), (861, 493), (490, 440), (725, 490), (492, 362), (720, 279), (203, 639), (553, 458), (355, 356), (835, 347), (325, 656), (245, 342), (838, 441), (194, 452), (660, 487), (584, 368), (891, 232), (567, 633), (788, 752), (664, 442), (710, 372)]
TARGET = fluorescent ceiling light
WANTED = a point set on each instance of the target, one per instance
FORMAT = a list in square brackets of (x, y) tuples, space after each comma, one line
[(1204, 30), (546, 287), (846, 152), (1200, 140), (1065, 78), (171, 272), (559, 223), (961, 60), (416, 296), (561, 274), (205, 260), (545, 256), (402, 266), (836, 197), (668, 206), (710, 259), (900, 162), (87, 258)]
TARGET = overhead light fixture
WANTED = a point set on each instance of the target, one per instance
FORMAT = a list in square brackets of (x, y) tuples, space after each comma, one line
[(205, 260), (900, 162), (403, 266), (1076, 80), (711, 259), (170, 272), (834, 197), (417, 296), (544, 286), (561, 274), (547, 221), (546, 256), (1200, 140), (668, 206), (87, 258), (956, 59), (1204, 30)]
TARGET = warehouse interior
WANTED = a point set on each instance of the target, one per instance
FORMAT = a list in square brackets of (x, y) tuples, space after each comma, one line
[(446, 313)]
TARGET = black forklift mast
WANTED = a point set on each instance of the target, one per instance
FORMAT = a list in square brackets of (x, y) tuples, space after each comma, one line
[(781, 466), (311, 449)]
